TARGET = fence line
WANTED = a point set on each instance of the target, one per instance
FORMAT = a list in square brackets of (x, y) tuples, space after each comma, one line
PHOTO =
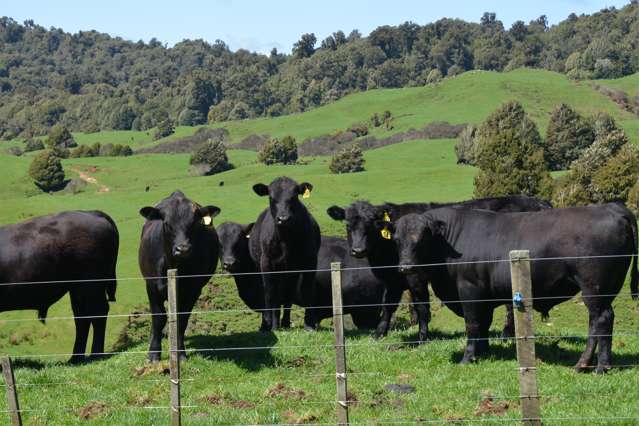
[(299, 271), (363, 305)]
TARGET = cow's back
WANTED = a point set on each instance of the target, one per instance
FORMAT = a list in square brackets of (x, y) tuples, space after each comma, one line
[(74, 245)]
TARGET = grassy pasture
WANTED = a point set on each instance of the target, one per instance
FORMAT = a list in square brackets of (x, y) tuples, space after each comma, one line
[(293, 380)]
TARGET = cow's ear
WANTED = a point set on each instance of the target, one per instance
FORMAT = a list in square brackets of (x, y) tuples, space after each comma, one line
[(248, 228), (437, 227), (336, 212), (211, 211), (151, 213), (304, 188), (260, 189)]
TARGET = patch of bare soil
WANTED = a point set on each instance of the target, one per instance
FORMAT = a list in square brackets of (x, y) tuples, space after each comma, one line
[(92, 410)]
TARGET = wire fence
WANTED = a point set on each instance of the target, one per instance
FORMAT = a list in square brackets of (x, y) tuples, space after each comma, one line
[(352, 345)]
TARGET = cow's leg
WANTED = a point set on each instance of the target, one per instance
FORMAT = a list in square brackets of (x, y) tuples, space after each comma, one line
[(271, 318), (186, 302), (286, 314), (158, 317), (99, 325), (390, 300), (286, 295), (604, 324), (586, 357), (81, 326), (420, 302), (309, 290), (509, 323)]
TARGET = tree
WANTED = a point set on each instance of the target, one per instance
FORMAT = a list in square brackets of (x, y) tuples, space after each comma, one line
[(349, 160), (613, 181), (46, 170), (276, 151), (33, 145), (568, 134), (59, 136), (305, 47), (509, 155), (211, 158), (165, 128)]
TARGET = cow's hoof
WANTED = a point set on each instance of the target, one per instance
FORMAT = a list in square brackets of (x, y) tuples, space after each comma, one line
[(182, 356), (602, 369), (286, 325), (379, 335), (581, 367), (97, 357), (468, 360), (310, 327), (154, 357), (507, 334), (77, 359)]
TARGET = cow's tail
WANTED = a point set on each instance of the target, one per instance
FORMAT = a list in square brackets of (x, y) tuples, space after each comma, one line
[(112, 284), (634, 285)]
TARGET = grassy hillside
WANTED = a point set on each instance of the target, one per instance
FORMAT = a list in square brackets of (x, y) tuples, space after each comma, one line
[(468, 98), (246, 386)]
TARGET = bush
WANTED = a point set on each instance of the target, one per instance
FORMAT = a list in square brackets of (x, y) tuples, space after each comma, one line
[(375, 120), (84, 151), (111, 150), (220, 112), (349, 160), (568, 134), (75, 186), (31, 145), (510, 157), (276, 151), (633, 198), (15, 150), (613, 181), (165, 128), (466, 148), (46, 170), (211, 158), (360, 129), (59, 136)]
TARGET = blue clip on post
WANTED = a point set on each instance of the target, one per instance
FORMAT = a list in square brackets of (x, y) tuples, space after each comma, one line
[(518, 300)]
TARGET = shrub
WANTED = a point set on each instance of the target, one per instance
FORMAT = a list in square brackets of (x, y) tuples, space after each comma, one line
[(220, 112), (375, 120), (509, 155), (633, 198), (83, 151), (568, 134), (15, 150), (360, 129), (613, 181), (349, 160), (31, 145), (276, 151), (466, 148), (165, 128), (46, 170), (211, 158), (59, 136), (455, 70), (75, 186)]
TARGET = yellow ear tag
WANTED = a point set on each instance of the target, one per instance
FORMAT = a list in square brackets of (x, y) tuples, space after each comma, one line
[(307, 193), (207, 220), (386, 217), (386, 234)]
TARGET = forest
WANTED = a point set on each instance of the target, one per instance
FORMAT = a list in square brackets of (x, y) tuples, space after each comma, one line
[(90, 81)]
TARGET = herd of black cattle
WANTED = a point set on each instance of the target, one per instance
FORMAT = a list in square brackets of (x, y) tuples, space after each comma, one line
[(43, 258)]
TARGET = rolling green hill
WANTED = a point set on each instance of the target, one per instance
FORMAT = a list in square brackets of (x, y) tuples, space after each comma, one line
[(226, 386)]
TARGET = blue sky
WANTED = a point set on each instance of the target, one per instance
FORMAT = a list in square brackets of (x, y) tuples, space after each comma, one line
[(261, 25)]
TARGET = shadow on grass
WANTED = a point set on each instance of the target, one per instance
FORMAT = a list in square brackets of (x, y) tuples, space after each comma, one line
[(231, 348)]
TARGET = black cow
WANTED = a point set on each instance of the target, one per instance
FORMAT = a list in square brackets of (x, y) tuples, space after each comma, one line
[(285, 237), (454, 235), (359, 287), (367, 241), (57, 249), (178, 234)]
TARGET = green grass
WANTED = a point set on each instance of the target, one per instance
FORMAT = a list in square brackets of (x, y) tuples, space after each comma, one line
[(416, 170)]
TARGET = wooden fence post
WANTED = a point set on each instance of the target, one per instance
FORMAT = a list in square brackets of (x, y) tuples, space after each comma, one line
[(12, 392), (340, 349), (174, 356), (525, 338)]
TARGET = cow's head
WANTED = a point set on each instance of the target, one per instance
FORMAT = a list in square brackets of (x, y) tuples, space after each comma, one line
[(284, 203), (364, 223), (234, 245), (414, 235), (182, 219)]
